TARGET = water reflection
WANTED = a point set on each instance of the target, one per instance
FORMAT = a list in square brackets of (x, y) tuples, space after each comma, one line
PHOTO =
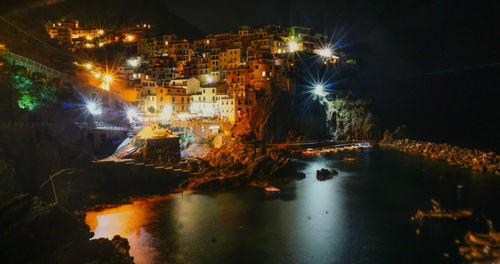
[(128, 221), (360, 216)]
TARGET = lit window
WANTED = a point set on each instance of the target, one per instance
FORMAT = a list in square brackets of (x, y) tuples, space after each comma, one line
[(264, 73)]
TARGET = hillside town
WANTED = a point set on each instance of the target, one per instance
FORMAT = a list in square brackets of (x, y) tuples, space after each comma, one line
[(219, 77)]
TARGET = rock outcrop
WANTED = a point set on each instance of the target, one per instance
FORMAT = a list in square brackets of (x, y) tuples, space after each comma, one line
[(350, 119), (277, 119), (242, 162), (285, 118), (33, 231), (325, 174)]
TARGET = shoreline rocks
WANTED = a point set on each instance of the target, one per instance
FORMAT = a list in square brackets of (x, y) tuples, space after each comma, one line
[(465, 158), (34, 231), (243, 162)]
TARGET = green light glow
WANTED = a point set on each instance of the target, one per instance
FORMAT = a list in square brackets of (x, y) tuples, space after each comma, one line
[(33, 94)]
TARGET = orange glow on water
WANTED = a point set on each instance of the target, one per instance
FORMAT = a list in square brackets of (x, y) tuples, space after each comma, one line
[(128, 221)]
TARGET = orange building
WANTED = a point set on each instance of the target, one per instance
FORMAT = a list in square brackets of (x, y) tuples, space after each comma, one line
[(173, 99)]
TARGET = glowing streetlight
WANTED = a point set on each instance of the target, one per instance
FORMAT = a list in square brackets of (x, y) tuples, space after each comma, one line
[(318, 90), (100, 31), (325, 52), (210, 79), (133, 62), (108, 78), (97, 75), (93, 108), (293, 46), (88, 66), (88, 37), (131, 114), (130, 38)]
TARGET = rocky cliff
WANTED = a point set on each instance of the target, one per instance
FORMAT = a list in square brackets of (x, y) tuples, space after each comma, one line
[(349, 119), (286, 118)]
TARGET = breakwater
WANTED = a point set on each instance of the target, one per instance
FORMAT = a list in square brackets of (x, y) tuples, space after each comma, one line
[(463, 157)]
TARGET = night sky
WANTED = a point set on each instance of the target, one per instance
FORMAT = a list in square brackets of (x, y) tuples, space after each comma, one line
[(432, 65)]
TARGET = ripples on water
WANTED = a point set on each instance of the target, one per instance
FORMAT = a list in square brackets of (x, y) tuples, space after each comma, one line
[(360, 216)]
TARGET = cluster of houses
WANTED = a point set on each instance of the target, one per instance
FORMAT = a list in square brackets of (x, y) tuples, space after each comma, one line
[(221, 76), (71, 34)]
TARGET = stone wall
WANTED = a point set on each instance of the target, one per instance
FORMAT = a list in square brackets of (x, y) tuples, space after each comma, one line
[(160, 149), (463, 157)]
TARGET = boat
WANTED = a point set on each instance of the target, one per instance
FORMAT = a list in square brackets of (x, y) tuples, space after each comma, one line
[(491, 240), (272, 189), (350, 159), (437, 213)]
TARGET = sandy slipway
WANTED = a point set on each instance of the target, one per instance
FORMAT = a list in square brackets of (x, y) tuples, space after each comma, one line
[(453, 155), (243, 162)]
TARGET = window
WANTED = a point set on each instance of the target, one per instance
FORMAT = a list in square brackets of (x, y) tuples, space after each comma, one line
[(202, 128), (264, 73)]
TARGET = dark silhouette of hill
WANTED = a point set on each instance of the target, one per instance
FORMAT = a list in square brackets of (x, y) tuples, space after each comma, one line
[(107, 14), (110, 14)]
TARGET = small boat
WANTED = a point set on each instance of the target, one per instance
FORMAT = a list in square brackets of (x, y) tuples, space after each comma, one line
[(272, 189), (437, 213), (492, 239)]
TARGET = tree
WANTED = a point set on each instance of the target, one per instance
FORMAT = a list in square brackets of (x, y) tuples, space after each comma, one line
[(33, 94)]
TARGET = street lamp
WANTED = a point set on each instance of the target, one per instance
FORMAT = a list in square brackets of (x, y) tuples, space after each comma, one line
[(93, 108), (325, 52), (131, 114), (210, 79), (318, 90), (293, 46), (107, 79), (88, 66), (133, 62)]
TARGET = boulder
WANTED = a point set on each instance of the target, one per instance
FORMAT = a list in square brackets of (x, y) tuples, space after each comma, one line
[(325, 174)]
